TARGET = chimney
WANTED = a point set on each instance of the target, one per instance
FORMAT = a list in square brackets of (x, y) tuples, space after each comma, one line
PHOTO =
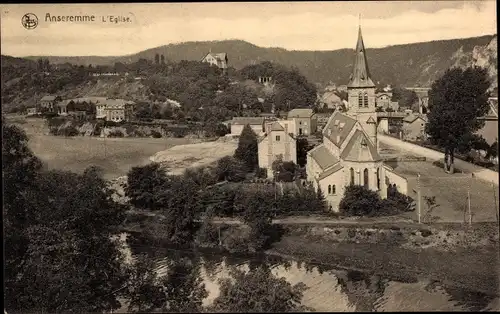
[(338, 138), (268, 128), (286, 130)]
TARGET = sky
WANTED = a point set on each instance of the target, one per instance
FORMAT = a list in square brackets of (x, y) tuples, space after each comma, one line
[(290, 25)]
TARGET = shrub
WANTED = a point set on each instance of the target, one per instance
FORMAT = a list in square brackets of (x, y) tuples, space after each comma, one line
[(360, 201), (261, 173), (69, 131), (155, 134), (230, 169), (116, 133)]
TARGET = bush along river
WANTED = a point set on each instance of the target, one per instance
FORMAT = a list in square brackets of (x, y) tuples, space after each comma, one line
[(328, 287)]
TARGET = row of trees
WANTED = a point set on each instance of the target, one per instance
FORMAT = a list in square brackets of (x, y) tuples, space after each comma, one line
[(61, 256)]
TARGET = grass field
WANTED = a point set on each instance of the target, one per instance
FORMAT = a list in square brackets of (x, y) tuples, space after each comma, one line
[(450, 190), (114, 155)]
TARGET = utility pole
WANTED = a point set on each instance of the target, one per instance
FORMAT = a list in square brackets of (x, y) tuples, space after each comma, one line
[(495, 200), (468, 203), (419, 201)]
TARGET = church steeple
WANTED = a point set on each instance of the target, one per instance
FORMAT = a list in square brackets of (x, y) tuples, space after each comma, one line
[(360, 76)]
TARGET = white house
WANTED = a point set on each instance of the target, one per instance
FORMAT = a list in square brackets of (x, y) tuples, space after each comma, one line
[(276, 143)]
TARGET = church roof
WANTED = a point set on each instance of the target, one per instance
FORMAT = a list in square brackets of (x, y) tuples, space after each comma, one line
[(360, 148), (323, 157), (330, 171), (338, 128), (360, 76), (247, 120)]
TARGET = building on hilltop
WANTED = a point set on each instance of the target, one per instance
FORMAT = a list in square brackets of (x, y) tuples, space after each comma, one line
[(218, 59), (276, 144), (304, 121), (238, 123), (349, 152)]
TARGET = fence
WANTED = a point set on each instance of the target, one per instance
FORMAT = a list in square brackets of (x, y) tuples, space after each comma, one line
[(454, 199)]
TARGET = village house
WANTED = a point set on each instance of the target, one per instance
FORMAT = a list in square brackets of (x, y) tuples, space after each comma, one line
[(304, 121), (383, 100), (32, 111), (490, 129), (218, 59), (414, 127), (276, 144), (349, 152), (117, 110), (330, 100), (48, 103), (238, 123)]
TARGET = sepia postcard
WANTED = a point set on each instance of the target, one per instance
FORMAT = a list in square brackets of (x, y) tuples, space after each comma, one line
[(250, 157)]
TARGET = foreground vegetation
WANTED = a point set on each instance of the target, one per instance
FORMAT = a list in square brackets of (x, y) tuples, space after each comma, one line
[(61, 252)]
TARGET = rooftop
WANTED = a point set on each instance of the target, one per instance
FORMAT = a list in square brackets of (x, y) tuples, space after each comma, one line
[(323, 157), (412, 117), (360, 148), (338, 128), (300, 113), (247, 120)]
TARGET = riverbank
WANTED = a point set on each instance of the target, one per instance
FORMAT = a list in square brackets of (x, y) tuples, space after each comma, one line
[(460, 257)]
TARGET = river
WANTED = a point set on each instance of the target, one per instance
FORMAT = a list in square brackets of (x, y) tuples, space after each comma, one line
[(331, 289)]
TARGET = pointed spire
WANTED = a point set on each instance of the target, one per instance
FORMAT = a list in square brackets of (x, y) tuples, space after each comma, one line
[(360, 76)]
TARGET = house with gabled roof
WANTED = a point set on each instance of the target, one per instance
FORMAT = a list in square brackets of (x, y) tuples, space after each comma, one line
[(304, 120), (489, 131), (218, 59), (349, 152), (277, 143), (238, 123), (414, 127)]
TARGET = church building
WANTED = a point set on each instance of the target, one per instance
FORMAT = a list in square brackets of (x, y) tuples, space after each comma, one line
[(349, 152)]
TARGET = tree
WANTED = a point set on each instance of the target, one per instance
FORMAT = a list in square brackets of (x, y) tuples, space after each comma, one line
[(178, 199), (493, 150), (230, 169), (247, 150), (162, 59), (359, 201), (302, 148), (456, 101), (71, 221), (181, 289), (258, 291), (157, 58), (142, 184)]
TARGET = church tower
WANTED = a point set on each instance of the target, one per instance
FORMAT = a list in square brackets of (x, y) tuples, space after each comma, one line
[(361, 93)]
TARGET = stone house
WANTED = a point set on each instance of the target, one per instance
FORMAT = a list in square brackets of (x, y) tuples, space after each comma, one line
[(414, 127), (349, 152), (48, 103), (276, 143), (304, 120), (238, 123)]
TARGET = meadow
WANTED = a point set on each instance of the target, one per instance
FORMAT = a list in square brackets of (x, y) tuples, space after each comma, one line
[(114, 155)]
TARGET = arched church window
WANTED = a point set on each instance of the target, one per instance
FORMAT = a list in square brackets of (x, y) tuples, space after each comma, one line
[(334, 189), (329, 189), (360, 100), (352, 176), (365, 178), (366, 100)]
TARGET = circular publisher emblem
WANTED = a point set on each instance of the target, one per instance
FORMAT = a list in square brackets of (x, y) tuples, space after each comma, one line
[(29, 21)]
